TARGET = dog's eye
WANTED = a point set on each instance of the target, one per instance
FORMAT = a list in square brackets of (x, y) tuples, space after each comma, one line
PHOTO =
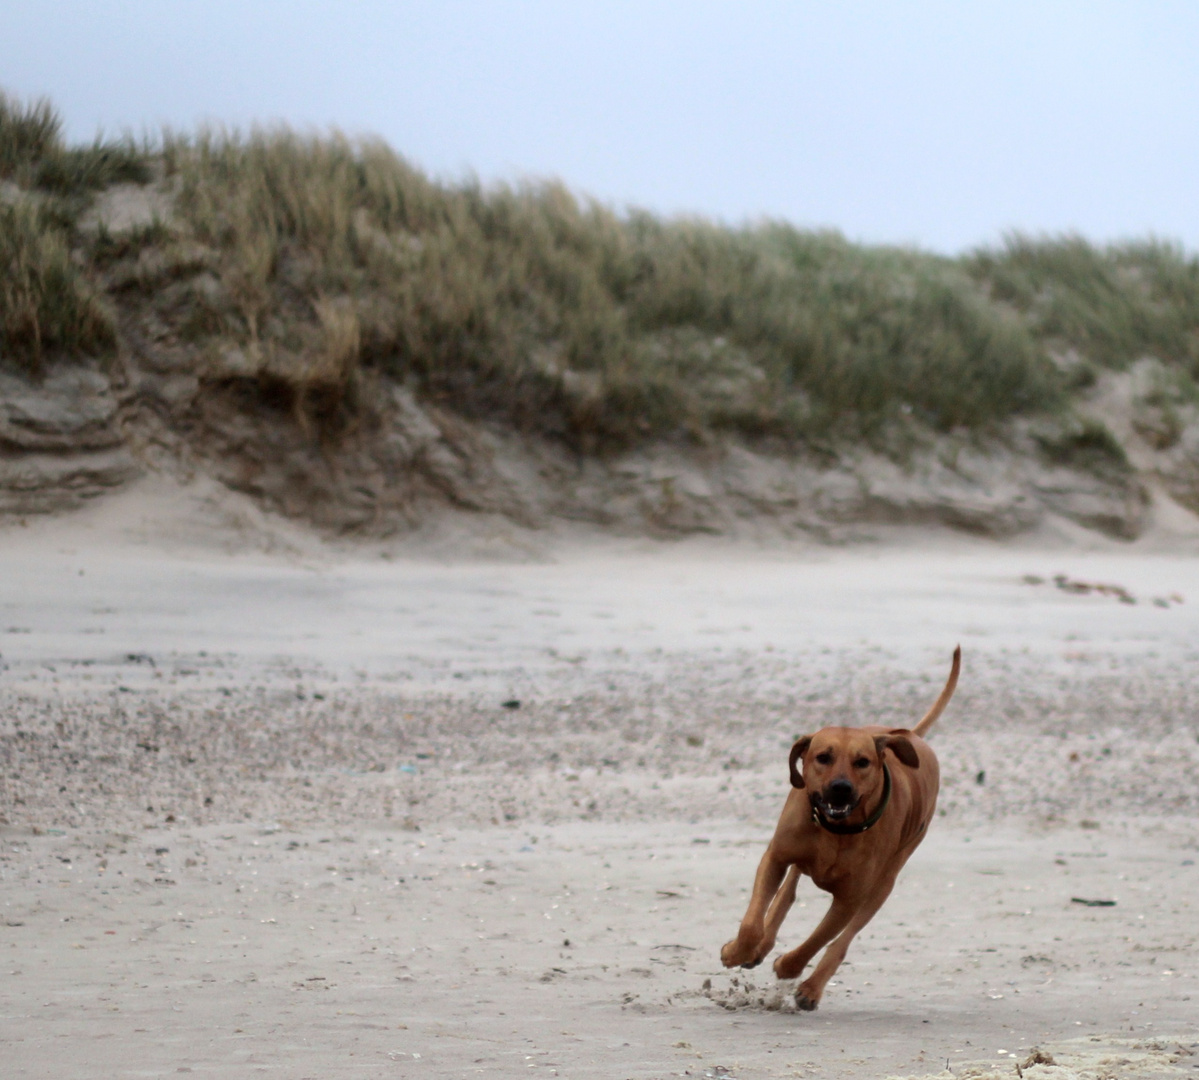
[(825, 759), (861, 763)]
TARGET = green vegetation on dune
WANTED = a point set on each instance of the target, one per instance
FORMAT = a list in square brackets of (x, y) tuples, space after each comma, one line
[(566, 318), (33, 154), (1113, 305), (301, 261), (47, 308), (27, 134)]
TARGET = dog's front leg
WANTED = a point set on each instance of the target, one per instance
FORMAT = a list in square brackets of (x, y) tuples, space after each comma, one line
[(745, 950), (777, 912)]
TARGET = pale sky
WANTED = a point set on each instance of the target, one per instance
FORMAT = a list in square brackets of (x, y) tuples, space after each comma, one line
[(941, 123)]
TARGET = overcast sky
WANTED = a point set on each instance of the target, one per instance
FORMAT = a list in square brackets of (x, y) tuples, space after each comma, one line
[(937, 123)]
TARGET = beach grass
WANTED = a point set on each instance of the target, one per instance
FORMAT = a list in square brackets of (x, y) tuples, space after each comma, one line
[(303, 260), (34, 155), (558, 315), (1113, 304), (48, 309)]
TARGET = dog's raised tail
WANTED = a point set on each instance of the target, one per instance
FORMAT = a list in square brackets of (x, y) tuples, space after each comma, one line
[(938, 708)]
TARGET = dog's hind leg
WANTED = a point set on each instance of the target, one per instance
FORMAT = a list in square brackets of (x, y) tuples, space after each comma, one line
[(811, 990), (790, 965)]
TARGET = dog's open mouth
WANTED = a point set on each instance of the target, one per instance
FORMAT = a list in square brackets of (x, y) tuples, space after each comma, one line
[(836, 813)]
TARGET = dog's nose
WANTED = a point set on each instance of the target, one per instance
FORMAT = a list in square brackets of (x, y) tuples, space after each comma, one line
[(839, 793)]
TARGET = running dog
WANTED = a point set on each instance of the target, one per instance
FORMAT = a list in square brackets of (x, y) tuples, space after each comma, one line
[(861, 802)]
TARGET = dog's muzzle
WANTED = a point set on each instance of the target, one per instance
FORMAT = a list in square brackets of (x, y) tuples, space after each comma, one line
[(838, 800)]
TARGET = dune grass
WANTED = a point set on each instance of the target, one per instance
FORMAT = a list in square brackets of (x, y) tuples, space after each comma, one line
[(561, 316), (28, 132), (1113, 304), (33, 154), (305, 259), (47, 308)]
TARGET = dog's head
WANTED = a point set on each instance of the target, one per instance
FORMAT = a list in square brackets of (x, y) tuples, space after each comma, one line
[(842, 766)]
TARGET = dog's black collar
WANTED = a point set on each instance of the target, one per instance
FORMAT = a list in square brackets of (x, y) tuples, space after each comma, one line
[(862, 826)]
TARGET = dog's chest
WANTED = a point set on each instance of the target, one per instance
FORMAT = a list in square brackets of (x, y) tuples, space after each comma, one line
[(831, 866)]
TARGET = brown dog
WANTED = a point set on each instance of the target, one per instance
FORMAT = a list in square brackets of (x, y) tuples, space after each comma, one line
[(859, 809)]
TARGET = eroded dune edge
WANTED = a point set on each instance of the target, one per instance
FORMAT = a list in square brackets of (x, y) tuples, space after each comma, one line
[(312, 321)]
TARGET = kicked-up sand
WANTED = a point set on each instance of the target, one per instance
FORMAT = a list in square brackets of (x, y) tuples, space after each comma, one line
[(278, 808)]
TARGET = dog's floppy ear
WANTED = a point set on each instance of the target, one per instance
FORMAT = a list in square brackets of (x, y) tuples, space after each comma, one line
[(797, 751), (900, 747)]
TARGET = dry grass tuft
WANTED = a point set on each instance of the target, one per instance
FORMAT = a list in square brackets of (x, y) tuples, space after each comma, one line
[(29, 132), (46, 307), (33, 155)]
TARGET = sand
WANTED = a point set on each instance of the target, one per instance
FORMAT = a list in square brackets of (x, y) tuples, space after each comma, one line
[(488, 803)]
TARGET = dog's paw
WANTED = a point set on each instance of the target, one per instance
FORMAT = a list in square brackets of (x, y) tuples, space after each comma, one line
[(732, 955), (786, 967), (807, 997)]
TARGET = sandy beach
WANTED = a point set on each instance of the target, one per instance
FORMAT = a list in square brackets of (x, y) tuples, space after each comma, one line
[(490, 805)]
